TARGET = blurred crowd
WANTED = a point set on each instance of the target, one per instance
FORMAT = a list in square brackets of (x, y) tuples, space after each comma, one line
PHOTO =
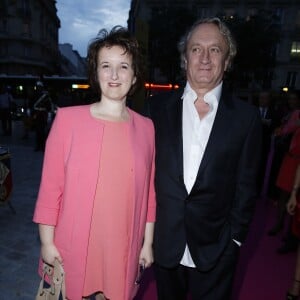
[(280, 116), (35, 107)]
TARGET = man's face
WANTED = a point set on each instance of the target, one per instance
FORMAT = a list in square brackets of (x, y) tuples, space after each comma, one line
[(206, 57)]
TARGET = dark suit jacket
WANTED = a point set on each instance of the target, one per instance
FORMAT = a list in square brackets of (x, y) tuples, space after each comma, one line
[(222, 200)]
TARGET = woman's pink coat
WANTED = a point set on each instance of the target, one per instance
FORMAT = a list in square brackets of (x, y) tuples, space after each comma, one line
[(68, 187)]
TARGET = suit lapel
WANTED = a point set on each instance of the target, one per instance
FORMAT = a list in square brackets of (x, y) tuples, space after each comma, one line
[(218, 135), (174, 119)]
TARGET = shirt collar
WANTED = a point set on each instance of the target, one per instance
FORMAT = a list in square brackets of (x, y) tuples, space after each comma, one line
[(189, 93), (214, 95), (210, 97)]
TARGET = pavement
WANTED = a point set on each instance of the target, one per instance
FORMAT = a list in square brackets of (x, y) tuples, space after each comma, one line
[(19, 243)]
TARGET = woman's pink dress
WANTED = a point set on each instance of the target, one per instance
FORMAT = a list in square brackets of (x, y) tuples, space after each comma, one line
[(112, 215)]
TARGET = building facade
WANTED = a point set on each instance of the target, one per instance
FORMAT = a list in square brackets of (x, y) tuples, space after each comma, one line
[(286, 69), (29, 37), (71, 61)]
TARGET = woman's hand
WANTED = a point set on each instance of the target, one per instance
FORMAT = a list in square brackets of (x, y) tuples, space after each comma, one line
[(49, 253), (291, 205), (146, 255)]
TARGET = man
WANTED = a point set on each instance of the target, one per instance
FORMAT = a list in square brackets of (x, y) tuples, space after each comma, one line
[(6, 101), (43, 107), (270, 119), (207, 158)]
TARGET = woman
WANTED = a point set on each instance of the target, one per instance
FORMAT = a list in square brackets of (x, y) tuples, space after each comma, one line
[(96, 203), (294, 209), (285, 177)]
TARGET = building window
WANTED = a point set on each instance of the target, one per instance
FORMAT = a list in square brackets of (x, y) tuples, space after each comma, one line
[(229, 13), (3, 25), (26, 51), (3, 49), (298, 19), (3, 8), (26, 29), (295, 50), (26, 8), (42, 28), (291, 79), (279, 12)]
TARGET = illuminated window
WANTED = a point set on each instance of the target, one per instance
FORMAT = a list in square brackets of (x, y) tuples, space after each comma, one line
[(298, 19), (291, 79), (229, 13), (80, 86), (295, 51)]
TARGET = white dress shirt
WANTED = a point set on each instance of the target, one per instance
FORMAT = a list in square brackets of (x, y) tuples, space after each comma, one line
[(195, 133)]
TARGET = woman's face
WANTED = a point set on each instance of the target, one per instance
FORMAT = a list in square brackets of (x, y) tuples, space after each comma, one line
[(115, 73)]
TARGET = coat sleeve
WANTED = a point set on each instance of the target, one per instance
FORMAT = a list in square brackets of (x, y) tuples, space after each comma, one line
[(151, 212), (52, 180), (292, 124), (246, 189)]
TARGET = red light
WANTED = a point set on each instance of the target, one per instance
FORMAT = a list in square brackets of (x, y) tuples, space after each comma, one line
[(161, 86)]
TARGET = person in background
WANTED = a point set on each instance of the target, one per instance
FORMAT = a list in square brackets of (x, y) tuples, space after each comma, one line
[(208, 148), (6, 101), (96, 203), (270, 120), (42, 108), (281, 139), (293, 208), (288, 131), (286, 176)]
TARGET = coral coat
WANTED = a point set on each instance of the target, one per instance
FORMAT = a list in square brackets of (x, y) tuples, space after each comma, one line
[(68, 186)]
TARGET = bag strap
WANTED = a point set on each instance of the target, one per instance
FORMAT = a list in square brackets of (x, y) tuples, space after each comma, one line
[(56, 275), (58, 278), (47, 270)]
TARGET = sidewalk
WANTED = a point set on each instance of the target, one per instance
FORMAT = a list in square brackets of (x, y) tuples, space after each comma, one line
[(19, 245)]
